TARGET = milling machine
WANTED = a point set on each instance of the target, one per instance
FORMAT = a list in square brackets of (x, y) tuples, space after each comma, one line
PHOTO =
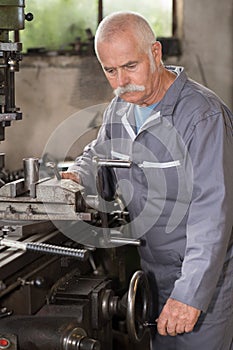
[(59, 289)]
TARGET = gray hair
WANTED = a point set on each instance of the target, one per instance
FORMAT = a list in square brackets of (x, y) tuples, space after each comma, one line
[(121, 22)]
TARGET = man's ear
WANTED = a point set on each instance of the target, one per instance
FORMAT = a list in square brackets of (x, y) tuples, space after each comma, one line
[(157, 51)]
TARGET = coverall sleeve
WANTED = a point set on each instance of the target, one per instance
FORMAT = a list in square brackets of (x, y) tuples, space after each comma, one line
[(209, 226), (84, 164)]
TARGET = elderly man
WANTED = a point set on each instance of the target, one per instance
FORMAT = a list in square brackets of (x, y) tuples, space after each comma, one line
[(179, 190)]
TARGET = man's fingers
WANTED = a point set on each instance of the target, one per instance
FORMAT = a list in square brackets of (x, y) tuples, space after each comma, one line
[(69, 175), (188, 328), (177, 318), (172, 329), (180, 329), (162, 326)]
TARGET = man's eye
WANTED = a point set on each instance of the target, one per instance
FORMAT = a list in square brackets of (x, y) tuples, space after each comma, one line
[(110, 71), (131, 66)]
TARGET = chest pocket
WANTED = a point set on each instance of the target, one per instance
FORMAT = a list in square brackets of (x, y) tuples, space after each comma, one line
[(169, 187)]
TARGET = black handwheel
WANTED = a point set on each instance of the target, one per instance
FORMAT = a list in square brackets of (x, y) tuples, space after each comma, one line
[(137, 306)]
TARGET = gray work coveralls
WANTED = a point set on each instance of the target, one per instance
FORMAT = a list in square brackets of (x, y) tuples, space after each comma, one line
[(179, 192)]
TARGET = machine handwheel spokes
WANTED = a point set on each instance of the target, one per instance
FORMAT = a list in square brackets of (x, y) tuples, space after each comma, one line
[(137, 306)]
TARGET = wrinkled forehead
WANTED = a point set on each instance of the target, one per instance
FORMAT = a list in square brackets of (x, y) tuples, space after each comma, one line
[(124, 46), (119, 51)]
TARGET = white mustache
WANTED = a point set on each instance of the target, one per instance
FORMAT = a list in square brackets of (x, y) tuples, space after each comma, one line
[(128, 88)]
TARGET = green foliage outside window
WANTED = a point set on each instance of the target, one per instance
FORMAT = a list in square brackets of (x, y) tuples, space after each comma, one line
[(57, 23), (157, 12)]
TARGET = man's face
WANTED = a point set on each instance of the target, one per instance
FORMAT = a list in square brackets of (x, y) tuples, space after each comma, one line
[(131, 72)]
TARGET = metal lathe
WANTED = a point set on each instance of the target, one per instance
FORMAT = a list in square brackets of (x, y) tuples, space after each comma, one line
[(67, 281)]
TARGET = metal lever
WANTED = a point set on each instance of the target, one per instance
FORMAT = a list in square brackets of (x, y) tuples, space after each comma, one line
[(149, 324), (112, 163), (120, 241), (81, 254), (53, 166)]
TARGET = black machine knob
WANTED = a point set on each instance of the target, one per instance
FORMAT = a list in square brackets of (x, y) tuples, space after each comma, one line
[(29, 17)]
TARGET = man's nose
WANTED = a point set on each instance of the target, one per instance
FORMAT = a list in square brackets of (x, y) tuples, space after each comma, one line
[(122, 77)]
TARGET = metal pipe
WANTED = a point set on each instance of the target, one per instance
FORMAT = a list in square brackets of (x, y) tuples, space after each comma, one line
[(31, 171)]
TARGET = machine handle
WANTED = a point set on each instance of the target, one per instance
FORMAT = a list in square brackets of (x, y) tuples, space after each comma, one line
[(112, 163), (53, 166), (138, 286)]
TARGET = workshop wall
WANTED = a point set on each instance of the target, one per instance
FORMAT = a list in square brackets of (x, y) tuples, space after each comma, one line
[(56, 91), (208, 45)]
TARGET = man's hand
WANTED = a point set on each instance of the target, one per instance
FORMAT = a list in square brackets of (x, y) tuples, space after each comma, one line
[(177, 318), (72, 176)]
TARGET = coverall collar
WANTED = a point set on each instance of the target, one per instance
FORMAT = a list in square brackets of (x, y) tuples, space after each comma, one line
[(164, 108), (169, 101)]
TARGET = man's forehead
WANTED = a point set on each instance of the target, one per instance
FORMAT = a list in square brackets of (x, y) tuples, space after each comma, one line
[(120, 51), (124, 38)]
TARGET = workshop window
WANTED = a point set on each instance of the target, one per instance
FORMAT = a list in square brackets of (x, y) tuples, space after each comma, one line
[(61, 25), (57, 24), (158, 13)]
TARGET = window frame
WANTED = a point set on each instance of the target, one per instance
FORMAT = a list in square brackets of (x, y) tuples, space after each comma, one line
[(171, 46)]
